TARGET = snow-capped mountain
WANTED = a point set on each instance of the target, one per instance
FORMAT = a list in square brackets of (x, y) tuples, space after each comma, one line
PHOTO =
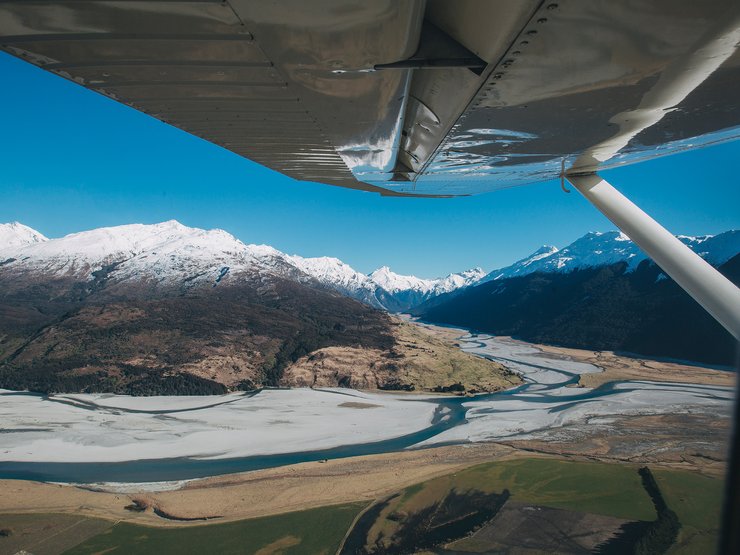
[(408, 291), (165, 253), (341, 277), (715, 249), (171, 254), (602, 249), (15, 234), (524, 266), (393, 283)]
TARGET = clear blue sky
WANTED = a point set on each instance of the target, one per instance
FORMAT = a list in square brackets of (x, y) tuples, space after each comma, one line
[(72, 160)]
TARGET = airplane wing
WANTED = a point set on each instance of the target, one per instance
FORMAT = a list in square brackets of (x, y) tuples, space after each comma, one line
[(407, 97)]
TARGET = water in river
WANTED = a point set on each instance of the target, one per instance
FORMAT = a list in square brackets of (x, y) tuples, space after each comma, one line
[(545, 401)]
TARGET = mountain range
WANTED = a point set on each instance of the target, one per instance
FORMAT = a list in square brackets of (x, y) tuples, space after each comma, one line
[(597, 249), (600, 292), (165, 308), (169, 254), (168, 309)]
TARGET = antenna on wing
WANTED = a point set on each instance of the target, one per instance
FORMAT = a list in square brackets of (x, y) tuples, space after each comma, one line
[(562, 176)]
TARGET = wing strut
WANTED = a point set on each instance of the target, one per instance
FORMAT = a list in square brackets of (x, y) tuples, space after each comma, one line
[(717, 294)]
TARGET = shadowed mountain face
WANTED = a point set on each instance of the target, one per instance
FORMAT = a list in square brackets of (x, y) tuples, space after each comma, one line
[(609, 307)]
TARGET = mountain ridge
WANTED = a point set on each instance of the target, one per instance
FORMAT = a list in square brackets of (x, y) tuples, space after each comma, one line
[(167, 309), (170, 253), (15, 235), (595, 249), (164, 308)]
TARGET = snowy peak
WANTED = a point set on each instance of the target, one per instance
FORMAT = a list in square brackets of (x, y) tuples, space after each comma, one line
[(326, 268), (594, 249), (166, 252), (15, 235), (400, 293), (523, 266), (715, 249), (459, 280), (172, 254), (544, 250), (602, 249), (339, 276), (392, 282)]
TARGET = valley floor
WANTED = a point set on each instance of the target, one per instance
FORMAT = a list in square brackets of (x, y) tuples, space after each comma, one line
[(59, 437), (676, 417)]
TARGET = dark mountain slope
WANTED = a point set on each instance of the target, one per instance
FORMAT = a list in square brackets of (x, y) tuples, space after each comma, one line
[(56, 337), (133, 337), (604, 308)]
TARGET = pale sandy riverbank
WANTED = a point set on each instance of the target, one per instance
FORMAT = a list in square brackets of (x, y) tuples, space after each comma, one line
[(104, 428), (258, 493)]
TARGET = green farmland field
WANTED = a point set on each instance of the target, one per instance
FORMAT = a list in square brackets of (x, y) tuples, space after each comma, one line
[(313, 532), (612, 490), (607, 489)]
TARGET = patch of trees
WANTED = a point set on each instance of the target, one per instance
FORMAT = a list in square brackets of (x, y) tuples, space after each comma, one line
[(149, 382), (454, 388), (290, 351), (646, 538), (53, 380), (356, 541), (137, 506), (394, 384), (661, 533), (129, 380)]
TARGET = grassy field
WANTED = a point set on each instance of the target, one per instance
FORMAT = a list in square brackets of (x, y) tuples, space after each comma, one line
[(46, 534), (612, 490), (697, 500), (313, 532), (430, 361), (607, 489)]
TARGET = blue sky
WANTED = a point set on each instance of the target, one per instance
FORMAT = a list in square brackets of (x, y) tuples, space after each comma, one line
[(72, 160)]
